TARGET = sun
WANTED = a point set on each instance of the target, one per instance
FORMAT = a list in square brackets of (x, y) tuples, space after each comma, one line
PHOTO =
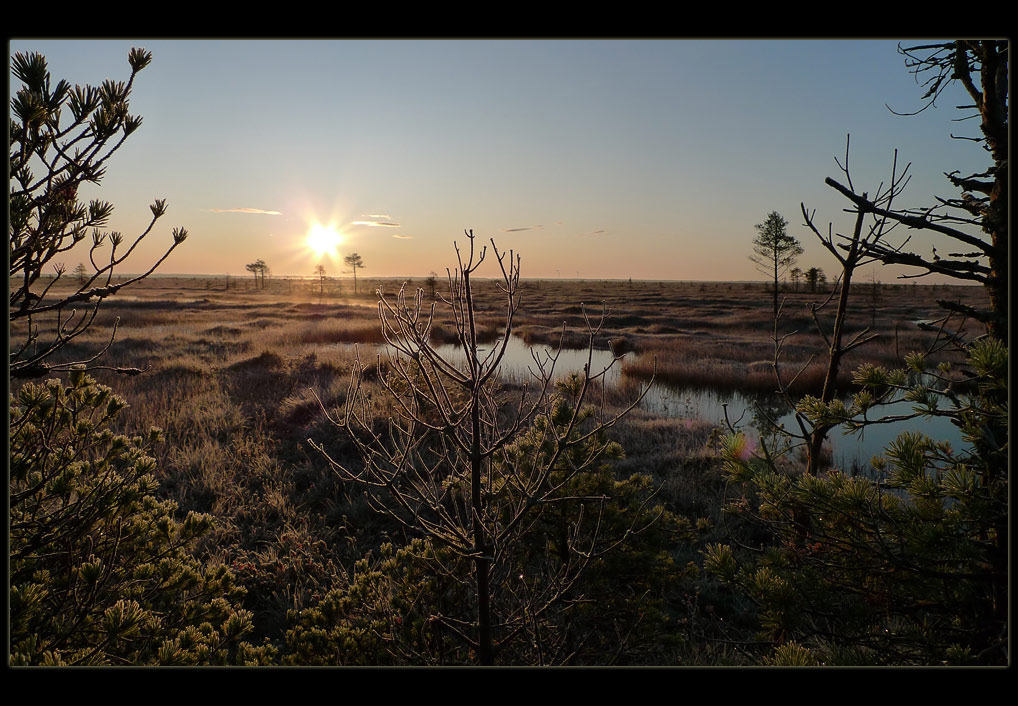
[(323, 240)]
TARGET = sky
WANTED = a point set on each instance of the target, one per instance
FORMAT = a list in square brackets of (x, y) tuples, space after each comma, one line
[(607, 159)]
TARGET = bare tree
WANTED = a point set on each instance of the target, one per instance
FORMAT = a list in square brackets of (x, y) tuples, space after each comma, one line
[(851, 252), (934, 522), (451, 466), (877, 217), (49, 160), (981, 67)]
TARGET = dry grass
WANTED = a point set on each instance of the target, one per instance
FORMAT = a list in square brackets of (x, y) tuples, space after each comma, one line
[(234, 377)]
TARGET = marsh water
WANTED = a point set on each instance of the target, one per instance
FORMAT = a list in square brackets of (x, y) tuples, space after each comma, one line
[(747, 411)]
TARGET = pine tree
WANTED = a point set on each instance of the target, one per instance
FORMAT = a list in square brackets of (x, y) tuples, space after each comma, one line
[(774, 250), (46, 217), (412, 605), (100, 570), (354, 262)]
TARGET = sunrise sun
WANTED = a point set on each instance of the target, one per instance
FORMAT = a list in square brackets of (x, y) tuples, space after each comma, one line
[(323, 240)]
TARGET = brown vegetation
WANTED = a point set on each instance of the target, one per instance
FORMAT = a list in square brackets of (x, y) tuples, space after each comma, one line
[(229, 374)]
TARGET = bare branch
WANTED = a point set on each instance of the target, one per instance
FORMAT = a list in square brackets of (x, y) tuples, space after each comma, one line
[(469, 463)]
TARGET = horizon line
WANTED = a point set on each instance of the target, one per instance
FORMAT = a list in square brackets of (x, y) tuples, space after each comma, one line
[(203, 275)]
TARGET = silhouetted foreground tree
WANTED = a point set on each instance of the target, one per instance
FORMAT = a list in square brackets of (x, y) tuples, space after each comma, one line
[(395, 607), (981, 68), (99, 569), (909, 566), (50, 159), (471, 465)]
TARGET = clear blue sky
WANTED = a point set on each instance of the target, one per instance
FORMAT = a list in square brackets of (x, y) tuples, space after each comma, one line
[(597, 159)]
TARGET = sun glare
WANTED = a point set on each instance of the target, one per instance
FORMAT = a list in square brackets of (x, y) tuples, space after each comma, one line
[(323, 240)]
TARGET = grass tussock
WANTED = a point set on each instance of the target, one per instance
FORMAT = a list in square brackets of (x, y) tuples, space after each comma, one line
[(329, 332)]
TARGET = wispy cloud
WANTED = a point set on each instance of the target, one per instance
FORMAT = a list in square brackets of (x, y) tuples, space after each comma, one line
[(376, 223), (593, 232), (513, 230), (401, 236), (245, 210)]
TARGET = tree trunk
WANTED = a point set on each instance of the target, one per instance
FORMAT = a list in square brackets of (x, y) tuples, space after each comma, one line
[(482, 558), (776, 283), (819, 434)]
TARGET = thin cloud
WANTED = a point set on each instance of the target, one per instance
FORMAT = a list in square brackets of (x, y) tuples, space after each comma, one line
[(387, 224), (593, 232), (513, 230), (245, 210), (401, 236)]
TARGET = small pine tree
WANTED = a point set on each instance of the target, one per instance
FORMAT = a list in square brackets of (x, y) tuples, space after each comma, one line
[(100, 571), (903, 571), (795, 274), (409, 605), (774, 250), (258, 268), (441, 469)]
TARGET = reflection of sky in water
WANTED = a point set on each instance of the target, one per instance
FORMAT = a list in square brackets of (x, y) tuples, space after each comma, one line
[(709, 405), (848, 449), (518, 362)]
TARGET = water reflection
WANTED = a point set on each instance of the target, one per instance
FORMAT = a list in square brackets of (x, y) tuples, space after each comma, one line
[(755, 413), (518, 362), (761, 412)]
